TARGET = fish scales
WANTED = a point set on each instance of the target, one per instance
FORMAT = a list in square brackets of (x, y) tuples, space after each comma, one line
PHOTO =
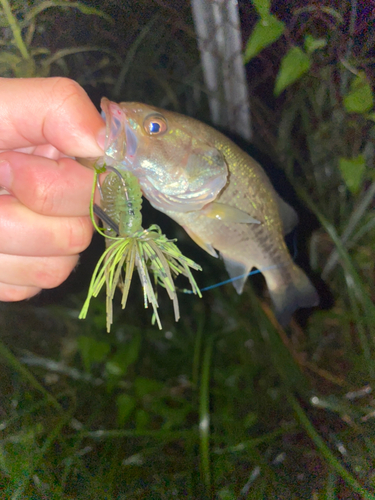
[(219, 194)]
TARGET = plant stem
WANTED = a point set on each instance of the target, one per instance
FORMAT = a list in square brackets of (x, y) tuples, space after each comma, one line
[(204, 416), (333, 462), (12, 361), (16, 30)]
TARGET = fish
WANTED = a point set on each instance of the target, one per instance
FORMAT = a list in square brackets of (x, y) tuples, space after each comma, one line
[(219, 194)]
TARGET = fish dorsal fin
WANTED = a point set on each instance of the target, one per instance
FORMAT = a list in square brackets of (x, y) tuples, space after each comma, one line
[(227, 213), (287, 214), (236, 269)]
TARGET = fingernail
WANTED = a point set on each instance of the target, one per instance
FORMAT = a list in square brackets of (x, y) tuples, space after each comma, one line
[(6, 174), (100, 138)]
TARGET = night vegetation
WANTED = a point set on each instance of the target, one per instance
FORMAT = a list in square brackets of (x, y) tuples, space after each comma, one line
[(223, 404)]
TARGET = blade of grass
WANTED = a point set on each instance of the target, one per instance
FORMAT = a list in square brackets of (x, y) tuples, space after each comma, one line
[(19, 493), (168, 435), (354, 219), (13, 362), (204, 417), (254, 442), (352, 277), (69, 464), (330, 492), (332, 461), (16, 30), (85, 9), (197, 352), (131, 54), (60, 54), (281, 356), (361, 330)]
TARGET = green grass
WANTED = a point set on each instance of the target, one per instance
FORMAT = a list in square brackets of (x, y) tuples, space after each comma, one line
[(223, 404)]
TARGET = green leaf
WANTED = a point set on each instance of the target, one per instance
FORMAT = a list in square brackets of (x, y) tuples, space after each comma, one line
[(92, 351), (250, 420), (267, 30), (129, 353), (352, 171), (312, 44), (331, 12), (114, 369), (360, 98), (143, 386), (118, 365), (142, 419), (262, 7), (293, 65), (125, 406), (85, 9), (10, 58), (226, 494)]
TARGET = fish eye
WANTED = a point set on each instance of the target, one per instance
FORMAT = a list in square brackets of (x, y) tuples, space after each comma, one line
[(155, 125)]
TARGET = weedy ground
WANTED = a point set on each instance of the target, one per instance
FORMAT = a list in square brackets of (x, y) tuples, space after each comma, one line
[(223, 404)]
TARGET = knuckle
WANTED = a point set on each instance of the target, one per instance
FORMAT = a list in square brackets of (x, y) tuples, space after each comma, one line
[(54, 270), (67, 94), (65, 88), (80, 232), (44, 198)]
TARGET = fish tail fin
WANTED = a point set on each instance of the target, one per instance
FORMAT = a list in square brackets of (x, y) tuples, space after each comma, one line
[(288, 297)]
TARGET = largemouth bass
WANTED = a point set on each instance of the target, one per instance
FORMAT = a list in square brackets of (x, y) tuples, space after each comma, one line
[(215, 191)]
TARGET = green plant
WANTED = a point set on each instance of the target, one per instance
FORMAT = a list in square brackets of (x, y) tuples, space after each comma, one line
[(225, 403), (20, 22)]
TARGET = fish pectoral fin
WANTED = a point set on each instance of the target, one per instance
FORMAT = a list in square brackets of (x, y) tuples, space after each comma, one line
[(203, 244), (237, 271), (227, 213)]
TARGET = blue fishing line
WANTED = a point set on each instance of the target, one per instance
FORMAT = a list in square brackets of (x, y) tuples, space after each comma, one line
[(251, 273)]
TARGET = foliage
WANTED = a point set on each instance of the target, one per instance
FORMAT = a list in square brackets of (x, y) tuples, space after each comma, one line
[(20, 22), (224, 404)]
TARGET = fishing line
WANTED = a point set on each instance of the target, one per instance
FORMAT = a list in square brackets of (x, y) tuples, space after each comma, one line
[(251, 273), (106, 219)]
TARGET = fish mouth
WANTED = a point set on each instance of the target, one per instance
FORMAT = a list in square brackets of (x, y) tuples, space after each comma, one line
[(186, 190), (121, 143)]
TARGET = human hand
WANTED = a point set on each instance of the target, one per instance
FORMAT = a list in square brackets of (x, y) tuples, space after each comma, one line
[(44, 210)]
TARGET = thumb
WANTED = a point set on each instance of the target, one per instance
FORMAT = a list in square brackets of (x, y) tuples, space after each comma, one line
[(55, 111)]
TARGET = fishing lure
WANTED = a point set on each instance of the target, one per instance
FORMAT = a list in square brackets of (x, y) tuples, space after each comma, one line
[(122, 201), (128, 245), (220, 196)]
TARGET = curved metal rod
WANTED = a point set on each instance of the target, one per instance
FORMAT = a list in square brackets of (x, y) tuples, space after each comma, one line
[(99, 212), (113, 169)]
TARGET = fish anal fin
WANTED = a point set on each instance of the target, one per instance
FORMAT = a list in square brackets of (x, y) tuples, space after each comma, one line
[(207, 247), (287, 214), (237, 271), (227, 213)]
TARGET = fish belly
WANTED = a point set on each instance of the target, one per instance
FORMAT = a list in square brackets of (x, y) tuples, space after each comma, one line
[(247, 246)]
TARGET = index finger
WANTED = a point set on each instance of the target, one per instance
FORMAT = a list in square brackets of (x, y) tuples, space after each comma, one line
[(57, 111)]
